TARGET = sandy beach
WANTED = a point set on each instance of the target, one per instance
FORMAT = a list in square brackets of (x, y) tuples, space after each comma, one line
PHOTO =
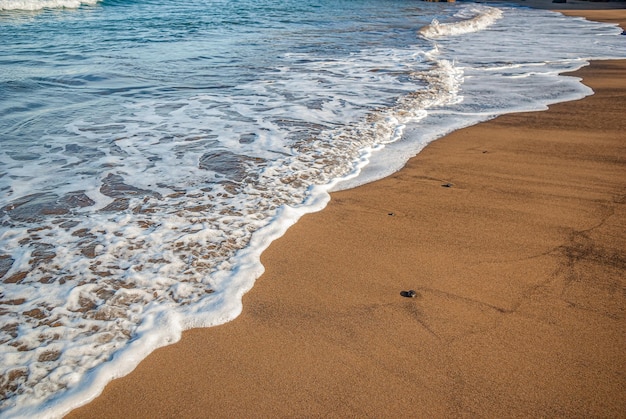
[(512, 234)]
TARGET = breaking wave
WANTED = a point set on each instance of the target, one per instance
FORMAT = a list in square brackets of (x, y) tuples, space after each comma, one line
[(481, 18), (44, 4)]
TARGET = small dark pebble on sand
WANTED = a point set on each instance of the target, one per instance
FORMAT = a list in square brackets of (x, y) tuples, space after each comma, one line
[(409, 294)]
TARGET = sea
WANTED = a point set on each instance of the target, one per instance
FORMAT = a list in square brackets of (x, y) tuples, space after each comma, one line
[(150, 150)]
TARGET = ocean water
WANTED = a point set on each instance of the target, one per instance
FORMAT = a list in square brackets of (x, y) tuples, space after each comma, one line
[(151, 150)]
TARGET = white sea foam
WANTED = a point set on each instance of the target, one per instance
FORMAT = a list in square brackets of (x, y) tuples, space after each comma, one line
[(505, 77), (481, 18), (205, 205), (44, 4)]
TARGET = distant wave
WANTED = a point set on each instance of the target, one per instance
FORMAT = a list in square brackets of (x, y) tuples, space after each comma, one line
[(43, 4), (483, 18)]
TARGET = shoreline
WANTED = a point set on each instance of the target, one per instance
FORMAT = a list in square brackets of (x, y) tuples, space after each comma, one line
[(517, 268)]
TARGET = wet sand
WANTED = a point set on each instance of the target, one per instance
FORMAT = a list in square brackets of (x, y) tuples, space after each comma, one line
[(511, 232)]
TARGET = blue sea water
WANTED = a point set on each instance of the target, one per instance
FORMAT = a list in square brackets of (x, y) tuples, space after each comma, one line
[(151, 150)]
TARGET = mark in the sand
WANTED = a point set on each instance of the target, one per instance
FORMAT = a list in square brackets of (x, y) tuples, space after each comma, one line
[(447, 185), (391, 214), (408, 294)]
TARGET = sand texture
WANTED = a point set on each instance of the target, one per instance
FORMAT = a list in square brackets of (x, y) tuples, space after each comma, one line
[(519, 269), (570, 5)]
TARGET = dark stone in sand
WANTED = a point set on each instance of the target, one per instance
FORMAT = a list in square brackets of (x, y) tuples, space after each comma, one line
[(447, 185), (409, 294)]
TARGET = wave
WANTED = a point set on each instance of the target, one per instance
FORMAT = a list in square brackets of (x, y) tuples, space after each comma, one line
[(482, 18), (187, 259), (33, 5)]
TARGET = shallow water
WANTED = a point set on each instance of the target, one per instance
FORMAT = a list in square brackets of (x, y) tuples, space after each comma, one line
[(151, 150)]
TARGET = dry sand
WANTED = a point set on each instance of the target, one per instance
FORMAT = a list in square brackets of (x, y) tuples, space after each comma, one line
[(519, 269), (575, 5)]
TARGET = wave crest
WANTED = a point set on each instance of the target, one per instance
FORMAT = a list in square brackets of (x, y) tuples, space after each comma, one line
[(33, 5), (482, 19)]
